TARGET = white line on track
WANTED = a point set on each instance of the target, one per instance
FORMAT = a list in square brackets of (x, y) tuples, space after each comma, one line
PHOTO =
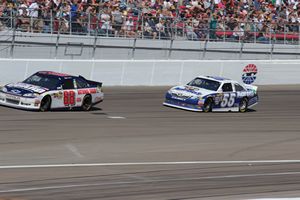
[(148, 163), (143, 182), (116, 117)]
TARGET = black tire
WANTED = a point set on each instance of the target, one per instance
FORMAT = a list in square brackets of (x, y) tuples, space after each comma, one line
[(87, 103), (45, 104), (243, 106), (208, 104)]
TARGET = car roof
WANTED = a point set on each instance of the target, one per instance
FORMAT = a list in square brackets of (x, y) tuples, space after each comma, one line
[(217, 78), (57, 74)]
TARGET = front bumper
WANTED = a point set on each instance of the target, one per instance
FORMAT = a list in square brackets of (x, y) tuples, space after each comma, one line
[(182, 105), (19, 102)]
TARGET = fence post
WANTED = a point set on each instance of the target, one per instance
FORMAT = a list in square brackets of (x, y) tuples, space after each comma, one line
[(272, 50), (224, 32), (133, 48), (171, 47), (13, 39), (11, 19), (89, 24), (70, 18), (285, 33), (142, 27), (241, 49), (51, 22), (58, 33), (255, 32), (204, 49), (96, 35)]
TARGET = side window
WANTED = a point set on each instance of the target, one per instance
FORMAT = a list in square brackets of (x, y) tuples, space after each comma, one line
[(238, 88), (68, 84), (227, 87), (81, 83)]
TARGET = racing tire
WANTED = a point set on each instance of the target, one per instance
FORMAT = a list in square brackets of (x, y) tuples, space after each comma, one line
[(208, 104), (243, 106), (45, 104), (87, 103)]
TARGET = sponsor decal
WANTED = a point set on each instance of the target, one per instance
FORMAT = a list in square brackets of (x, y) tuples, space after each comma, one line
[(8, 96), (87, 91), (33, 88), (78, 99), (57, 95), (249, 74)]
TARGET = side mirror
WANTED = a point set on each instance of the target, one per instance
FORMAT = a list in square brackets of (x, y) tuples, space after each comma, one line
[(59, 88)]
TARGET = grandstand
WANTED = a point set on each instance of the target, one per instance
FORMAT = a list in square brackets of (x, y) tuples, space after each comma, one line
[(219, 26)]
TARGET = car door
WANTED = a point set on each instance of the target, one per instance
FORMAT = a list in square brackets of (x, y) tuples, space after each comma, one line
[(240, 91), (229, 96), (69, 92)]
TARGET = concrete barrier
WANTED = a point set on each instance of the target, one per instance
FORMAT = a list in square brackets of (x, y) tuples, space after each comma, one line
[(156, 72)]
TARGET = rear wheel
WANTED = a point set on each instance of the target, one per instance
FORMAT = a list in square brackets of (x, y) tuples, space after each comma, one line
[(208, 104), (45, 104), (243, 106), (87, 103)]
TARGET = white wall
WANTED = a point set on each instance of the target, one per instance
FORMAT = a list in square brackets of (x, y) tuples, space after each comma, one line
[(153, 72)]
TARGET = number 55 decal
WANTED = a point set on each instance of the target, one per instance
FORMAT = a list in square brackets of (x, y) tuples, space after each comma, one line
[(228, 100)]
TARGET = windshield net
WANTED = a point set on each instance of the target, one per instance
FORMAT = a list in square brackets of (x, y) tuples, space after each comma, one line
[(205, 84)]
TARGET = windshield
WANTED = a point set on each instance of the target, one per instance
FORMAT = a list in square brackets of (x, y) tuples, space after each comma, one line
[(45, 81), (205, 84)]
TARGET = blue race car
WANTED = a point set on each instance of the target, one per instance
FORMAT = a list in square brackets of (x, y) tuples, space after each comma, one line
[(207, 93)]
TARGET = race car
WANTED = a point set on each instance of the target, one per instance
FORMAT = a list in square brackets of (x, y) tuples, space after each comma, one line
[(210, 93), (46, 90)]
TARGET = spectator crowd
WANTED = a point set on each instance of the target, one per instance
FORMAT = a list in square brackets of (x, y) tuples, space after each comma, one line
[(164, 19)]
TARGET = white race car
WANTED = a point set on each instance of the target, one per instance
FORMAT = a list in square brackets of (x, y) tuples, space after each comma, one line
[(46, 90), (207, 93)]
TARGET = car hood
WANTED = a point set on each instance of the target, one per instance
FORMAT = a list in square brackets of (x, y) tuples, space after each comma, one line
[(189, 91), (20, 89)]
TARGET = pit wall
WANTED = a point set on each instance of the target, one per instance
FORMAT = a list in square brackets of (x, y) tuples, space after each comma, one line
[(155, 72)]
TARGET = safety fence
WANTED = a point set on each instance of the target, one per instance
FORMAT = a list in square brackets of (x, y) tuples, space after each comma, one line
[(149, 27)]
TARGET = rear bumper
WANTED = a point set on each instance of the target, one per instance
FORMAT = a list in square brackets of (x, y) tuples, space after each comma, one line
[(19, 102)]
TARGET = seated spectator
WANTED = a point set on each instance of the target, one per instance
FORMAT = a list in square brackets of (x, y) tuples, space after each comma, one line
[(160, 28), (129, 27), (117, 20), (238, 32), (191, 35)]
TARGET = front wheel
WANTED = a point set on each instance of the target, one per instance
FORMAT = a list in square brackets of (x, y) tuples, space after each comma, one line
[(87, 103), (243, 106), (208, 104), (45, 104)]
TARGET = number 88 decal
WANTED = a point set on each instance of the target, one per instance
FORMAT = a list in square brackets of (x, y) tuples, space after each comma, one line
[(228, 100), (69, 98)]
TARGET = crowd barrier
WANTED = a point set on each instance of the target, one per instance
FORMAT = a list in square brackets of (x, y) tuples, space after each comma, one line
[(156, 72)]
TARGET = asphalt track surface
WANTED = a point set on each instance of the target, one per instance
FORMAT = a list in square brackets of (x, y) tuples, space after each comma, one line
[(132, 147)]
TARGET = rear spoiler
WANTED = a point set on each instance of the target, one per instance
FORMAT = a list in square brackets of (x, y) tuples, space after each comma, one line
[(94, 83), (251, 87)]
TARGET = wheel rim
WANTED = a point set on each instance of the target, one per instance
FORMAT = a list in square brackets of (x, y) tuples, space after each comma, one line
[(86, 103), (45, 104), (243, 105), (207, 106)]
